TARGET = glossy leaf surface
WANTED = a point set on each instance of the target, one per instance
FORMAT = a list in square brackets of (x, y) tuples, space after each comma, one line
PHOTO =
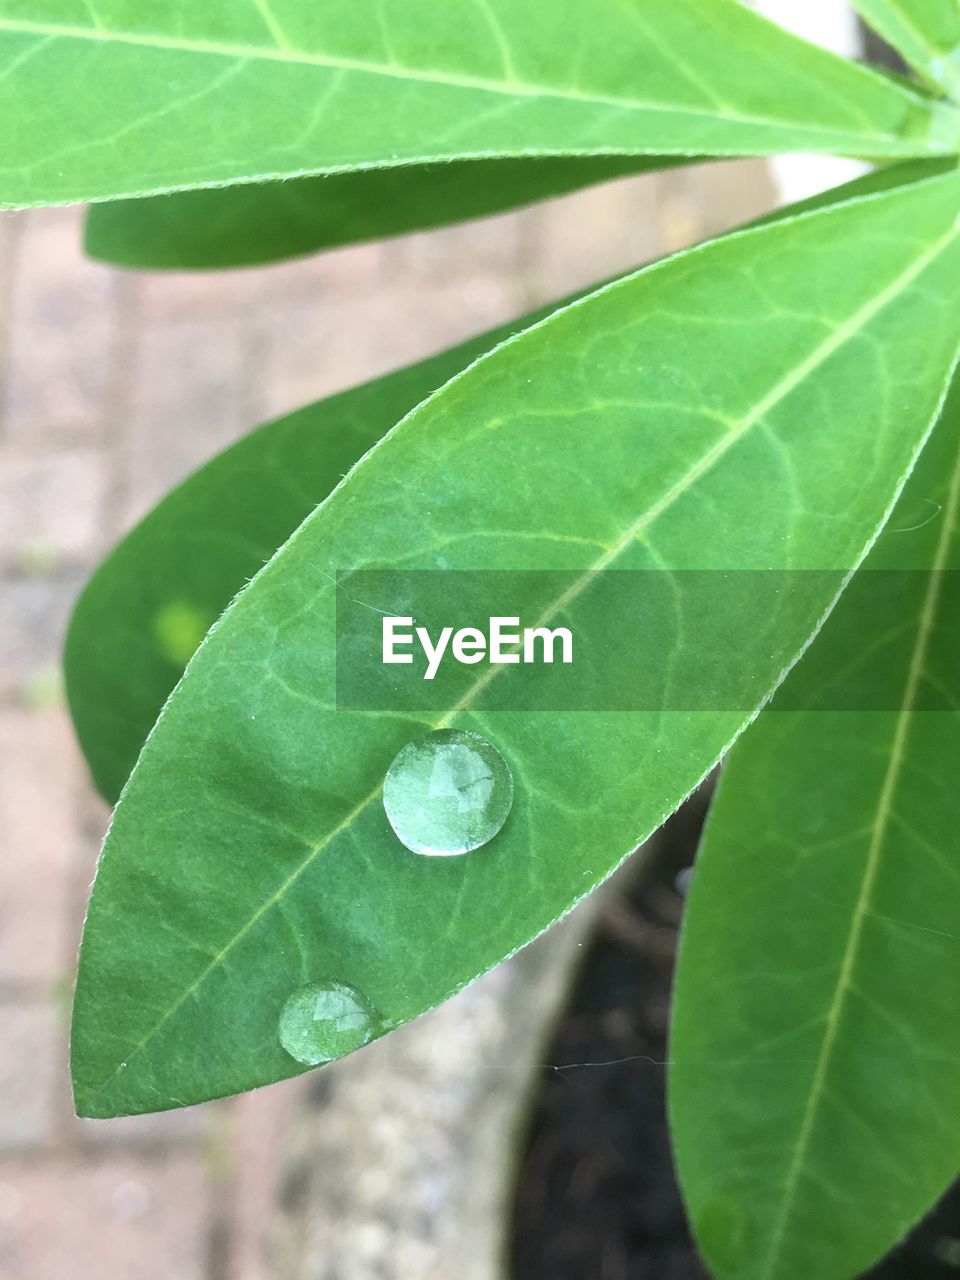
[(268, 221), (108, 98), (148, 606), (815, 1088), (925, 32), (250, 853)]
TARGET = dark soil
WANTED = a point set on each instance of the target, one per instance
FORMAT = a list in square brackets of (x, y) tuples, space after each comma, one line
[(596, 1194)]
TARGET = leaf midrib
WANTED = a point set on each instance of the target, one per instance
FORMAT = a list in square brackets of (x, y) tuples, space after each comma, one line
[(948, 83), (906, 19), (838, 337), (878, 834), (507, 88)]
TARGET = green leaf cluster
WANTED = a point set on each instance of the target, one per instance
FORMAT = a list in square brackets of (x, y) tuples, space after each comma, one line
[(779, 399)]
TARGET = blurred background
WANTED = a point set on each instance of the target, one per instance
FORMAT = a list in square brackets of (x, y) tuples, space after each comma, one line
[(113, 387)]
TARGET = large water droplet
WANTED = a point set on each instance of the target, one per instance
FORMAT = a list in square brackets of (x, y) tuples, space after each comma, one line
[(324, 1020), (448, 793)]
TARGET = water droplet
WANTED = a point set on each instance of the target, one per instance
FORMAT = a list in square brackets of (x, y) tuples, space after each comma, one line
[(324, 1020), (448, 793)]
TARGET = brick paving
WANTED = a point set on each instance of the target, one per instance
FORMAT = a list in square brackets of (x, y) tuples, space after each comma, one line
[(113, 386)]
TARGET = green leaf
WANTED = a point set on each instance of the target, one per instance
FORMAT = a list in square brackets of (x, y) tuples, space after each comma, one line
[(250, 853), (925, 32), (266, 222), (110, 98), (148, 606), (815, 1092)]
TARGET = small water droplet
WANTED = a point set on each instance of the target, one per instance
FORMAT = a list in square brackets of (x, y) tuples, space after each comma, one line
[(448, 793), (325, 1020)]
